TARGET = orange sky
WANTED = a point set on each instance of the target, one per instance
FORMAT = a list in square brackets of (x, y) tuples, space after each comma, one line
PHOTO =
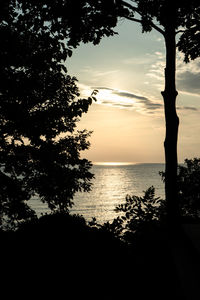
[(128, 118)]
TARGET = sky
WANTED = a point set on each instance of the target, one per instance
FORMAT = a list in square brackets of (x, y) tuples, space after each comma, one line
[(128, 118)]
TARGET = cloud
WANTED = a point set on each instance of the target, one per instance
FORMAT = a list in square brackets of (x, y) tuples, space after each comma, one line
[(119, 93), (135, 61), (188, 75), (131, 101), (129, 95), (101, 88), (189, 82), (150, 105), (153, 106), (96, 72), (126, 100), (187, 108), (142, 59)]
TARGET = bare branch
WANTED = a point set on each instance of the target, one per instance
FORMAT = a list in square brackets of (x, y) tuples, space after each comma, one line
[(134, 19), (157, 28), (180, 31)]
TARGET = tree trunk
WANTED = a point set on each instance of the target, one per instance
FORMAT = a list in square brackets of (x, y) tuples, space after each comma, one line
[(172, 123)]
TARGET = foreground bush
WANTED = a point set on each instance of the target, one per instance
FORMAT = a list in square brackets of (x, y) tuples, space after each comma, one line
[(188, 180), (136, 215)]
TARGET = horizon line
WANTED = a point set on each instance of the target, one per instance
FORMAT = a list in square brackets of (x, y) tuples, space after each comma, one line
[(114, 163)]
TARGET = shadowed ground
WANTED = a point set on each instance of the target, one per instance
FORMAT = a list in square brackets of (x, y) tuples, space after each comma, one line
[(62, 255)]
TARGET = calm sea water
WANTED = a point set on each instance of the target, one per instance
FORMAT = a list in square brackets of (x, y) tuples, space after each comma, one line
[(110, 187)]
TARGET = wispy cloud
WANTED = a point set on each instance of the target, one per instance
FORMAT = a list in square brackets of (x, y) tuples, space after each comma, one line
[(188, 75), (128, 95), (96, 72), (101, 88), (189, 82), (126, 100), (191, 108), (138, 60), (156, 70)]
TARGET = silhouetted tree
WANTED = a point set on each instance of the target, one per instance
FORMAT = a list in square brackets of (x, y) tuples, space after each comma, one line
[(170, 19), (37, 37), (39, 108)]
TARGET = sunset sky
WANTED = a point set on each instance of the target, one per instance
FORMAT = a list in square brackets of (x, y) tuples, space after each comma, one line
[(128, 118)]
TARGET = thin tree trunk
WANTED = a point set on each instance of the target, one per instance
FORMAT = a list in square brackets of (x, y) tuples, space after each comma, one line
[(172, 124)]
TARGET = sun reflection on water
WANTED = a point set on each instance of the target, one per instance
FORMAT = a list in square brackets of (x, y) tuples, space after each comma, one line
[(113, 181)]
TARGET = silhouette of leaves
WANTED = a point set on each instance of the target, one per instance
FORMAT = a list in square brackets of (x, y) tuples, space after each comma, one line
[(40, 106), (188, 180), (138, 212)]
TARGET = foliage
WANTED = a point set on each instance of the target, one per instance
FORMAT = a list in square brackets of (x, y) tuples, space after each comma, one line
[(189, 187), (189, 40), (114, 228), (69, 236), (136, 215), (39, 108), (72, 21), (154, 14), (39, 100), (139, 212), (169, 18)]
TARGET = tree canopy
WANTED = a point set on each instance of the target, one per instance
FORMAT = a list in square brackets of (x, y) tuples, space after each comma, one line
[(189, 40), (39, 107)]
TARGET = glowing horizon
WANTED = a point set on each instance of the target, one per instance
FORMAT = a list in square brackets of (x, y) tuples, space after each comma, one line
[(113, 163)]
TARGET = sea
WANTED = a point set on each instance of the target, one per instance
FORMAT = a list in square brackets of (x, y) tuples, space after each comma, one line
[(112, 183)]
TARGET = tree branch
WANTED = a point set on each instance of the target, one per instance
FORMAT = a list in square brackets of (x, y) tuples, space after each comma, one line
[(135, 9), (134, 19), (180, 31), (157, 28)]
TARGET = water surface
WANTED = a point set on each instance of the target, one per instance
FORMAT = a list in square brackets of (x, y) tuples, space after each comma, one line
[(111, 185)]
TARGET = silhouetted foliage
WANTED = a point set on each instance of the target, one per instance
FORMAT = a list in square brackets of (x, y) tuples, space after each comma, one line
[(189, 188), (60, 253), (39, 106), (39, 100), (139, 212), (189, 40), (137, 215), (62, 241), (169, 18)]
